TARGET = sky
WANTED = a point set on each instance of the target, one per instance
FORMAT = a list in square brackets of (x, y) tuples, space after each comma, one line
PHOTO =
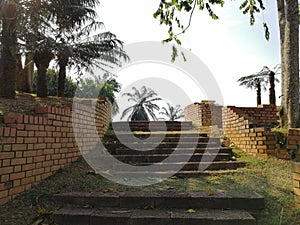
[(229, 47)]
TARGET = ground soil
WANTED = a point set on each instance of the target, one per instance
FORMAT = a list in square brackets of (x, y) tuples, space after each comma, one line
[(25, 103)]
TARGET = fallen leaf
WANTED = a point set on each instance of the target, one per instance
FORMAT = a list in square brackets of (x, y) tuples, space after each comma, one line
[(190, 211)]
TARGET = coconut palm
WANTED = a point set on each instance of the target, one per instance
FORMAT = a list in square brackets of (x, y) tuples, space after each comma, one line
[(270, 74), (99, 51), (172, 112), (259, 81), (143, 104), (254, 82)]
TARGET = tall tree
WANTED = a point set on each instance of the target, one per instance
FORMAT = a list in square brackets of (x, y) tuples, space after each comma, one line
[(288, 15), (143, 104), (9, 11)]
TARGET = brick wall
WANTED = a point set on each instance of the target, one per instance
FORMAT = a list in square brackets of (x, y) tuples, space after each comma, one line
[(249, 129), (205, 113), (32, 148)]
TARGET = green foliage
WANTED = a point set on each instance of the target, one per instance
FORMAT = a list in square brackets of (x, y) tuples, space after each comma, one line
[(169, 14), (99, 86), (143, 104), (52, 83)]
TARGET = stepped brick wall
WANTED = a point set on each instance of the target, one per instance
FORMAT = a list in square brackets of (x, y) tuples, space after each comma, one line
[(32, 148), (206, 113), (249, 129)]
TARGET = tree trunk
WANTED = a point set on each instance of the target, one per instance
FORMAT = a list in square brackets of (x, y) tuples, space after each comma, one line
[(28, 72), (272, 95), (20, 76), (289, 41), (258, 94), (42, 61), (9, 51), (62, 77)]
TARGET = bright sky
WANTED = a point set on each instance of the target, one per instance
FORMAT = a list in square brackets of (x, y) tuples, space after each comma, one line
[(229, 47)]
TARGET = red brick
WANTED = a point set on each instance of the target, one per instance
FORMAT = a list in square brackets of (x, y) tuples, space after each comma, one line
[(4, 178), (6, 132), (17, 176), (7, 155), (40, 146), (3, 194), (38, 171), (22, 133), (41, 110), (17, 169), (20, 140), (13, 118), (28, 180), (40, 134), (16, 190), (18, 161), (8, 140), (6, 170), (30, 140), (27, 167), (49, 140), (39, 158), (32, 127), (41, 127), (6, 162), (19, 147)]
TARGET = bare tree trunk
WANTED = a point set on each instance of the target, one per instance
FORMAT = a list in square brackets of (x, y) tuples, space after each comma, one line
[(42, 61), (272, 95), (29, 71), (62, 77), (8, 50), (289, 40), (19, 75)]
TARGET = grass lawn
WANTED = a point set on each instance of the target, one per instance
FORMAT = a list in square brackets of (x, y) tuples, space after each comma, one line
[(271, 178)]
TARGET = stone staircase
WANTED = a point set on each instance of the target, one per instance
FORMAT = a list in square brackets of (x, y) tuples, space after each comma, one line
[(158, 208), (182, 154)]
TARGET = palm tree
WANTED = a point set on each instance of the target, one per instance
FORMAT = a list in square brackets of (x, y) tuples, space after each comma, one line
[(100, 51), (254, 82), (172, 113), (143, 106), (260, 80), (270, 74)]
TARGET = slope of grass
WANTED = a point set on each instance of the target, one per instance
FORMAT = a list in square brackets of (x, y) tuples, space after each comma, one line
[(271, 178)]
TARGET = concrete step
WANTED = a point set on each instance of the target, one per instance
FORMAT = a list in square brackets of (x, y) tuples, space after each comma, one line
[(150, 146), (154, 158), (154, 125), (126, 151), (144, 135), (163, 139), (124, 216), (165, 200), (182, 166)]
